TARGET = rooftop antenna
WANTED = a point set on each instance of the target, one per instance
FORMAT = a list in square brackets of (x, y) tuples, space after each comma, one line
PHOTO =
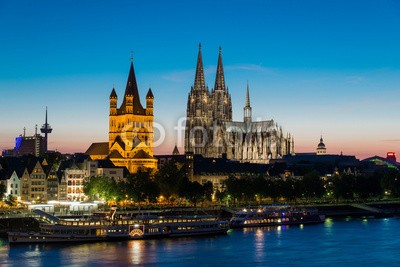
[(24, 131), (35, 129)]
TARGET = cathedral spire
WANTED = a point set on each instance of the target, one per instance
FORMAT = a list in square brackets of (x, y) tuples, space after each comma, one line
[(199, 81), (220, 79), (247, 95), (247, 107)]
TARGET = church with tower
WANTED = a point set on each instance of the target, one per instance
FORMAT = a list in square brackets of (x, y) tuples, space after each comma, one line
[(131, 132), (211, 132)]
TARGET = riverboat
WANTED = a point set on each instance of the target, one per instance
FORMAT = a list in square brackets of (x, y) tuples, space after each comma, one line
[(275, 216), (104, 228)]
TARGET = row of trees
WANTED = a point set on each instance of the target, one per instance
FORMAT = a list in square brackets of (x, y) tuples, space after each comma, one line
[(169, 182), (172, 183), (249, 188), (313, 187)]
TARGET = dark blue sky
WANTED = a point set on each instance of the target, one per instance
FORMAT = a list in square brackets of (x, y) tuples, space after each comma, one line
[(329, 67)]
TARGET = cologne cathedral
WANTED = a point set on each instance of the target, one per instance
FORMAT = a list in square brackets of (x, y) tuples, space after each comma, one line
[(211, 132)]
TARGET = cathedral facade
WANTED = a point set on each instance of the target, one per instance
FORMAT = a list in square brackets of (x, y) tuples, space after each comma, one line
[(211, 132), (130, 136)]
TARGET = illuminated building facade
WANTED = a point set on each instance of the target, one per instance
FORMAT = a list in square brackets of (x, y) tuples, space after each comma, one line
[(13, 186), (74, 178), (34, 182), (130, 142), (210, 131)]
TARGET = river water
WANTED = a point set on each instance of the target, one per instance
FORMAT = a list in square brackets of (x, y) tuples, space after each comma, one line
[(337, 242)]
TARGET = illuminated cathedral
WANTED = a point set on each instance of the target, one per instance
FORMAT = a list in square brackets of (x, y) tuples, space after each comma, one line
[(211, 132), (130, 142)]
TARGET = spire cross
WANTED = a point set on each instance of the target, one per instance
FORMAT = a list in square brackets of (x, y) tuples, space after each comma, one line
[(131, 58)]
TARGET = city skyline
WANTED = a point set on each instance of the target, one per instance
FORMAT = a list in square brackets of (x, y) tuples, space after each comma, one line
[(329, 69)]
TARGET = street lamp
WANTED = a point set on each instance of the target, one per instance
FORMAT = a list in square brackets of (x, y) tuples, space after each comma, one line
[(228, 197)]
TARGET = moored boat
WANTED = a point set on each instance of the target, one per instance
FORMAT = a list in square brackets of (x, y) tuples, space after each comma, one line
[(275, 215), (107, 228)]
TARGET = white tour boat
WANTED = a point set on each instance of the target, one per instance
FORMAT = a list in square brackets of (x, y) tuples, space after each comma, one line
[(275, 215), (119, 227)]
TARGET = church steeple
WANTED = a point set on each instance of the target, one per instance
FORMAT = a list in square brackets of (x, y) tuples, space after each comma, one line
[(199, 81), (175, 151), (113, 94), (131, 102), (220, 78), (131, 84), (149, 102), (113, 102), (247, 107)]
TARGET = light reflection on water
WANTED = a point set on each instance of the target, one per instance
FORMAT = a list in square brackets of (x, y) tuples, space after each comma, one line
[(337, 242), (136, 251), (259, 245)]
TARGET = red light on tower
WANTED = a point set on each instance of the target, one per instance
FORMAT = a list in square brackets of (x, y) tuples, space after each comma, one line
[(391, 156)]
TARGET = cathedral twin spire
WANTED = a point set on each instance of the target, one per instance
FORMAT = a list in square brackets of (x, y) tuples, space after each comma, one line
[(199, 81), (214, 105)]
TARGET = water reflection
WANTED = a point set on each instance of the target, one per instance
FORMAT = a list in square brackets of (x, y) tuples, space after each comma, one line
[(259, 245), (31, 252), (135, 248), (348, 218), (278, 228), (337, 242), (328, 223)]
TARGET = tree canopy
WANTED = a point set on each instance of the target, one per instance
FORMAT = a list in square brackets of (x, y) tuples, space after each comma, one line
[(3, 190)]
